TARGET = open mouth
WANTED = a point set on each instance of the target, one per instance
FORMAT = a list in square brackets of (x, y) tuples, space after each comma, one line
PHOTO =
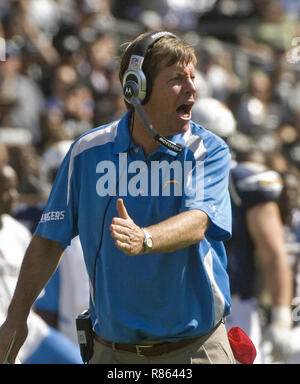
[(185, 110)]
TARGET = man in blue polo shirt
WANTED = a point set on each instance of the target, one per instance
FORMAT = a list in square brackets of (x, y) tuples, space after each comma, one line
[(151, 221)]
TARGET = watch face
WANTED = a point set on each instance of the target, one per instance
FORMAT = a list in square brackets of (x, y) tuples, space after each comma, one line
[(149, 243)]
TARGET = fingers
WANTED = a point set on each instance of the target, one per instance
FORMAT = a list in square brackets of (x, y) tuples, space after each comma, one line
[(122, 238), (122, 212), (125, 247), (128, 239), (119, 233)]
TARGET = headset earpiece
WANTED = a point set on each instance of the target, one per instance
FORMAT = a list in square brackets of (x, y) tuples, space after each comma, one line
[(135, 74), (131, 91)]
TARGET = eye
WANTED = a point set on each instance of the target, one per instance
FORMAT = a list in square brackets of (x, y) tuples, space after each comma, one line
[(176, 79)]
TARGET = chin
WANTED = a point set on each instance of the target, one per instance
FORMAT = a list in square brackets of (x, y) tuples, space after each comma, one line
[(175, 127), (183, 127)]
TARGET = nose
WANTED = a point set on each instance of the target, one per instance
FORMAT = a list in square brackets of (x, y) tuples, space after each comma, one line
[(189, 86)]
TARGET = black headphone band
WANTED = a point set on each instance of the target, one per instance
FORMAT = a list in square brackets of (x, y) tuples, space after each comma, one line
[(146, 42)]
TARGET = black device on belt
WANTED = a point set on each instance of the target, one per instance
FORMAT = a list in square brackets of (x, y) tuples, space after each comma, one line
[(85, 335)]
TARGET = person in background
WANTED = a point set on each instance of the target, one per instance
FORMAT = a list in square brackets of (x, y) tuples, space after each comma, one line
[(256, 251), (63, 298), (289, 205), (44, 344), (4, 154), (28, 98)]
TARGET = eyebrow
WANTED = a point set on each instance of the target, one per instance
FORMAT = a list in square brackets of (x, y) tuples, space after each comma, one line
[(182, 73)]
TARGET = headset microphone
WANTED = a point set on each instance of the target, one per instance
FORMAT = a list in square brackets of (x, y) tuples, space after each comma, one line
[(130, 93)]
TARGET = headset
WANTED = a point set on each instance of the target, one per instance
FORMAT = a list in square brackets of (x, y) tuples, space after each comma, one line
[(135, 85)]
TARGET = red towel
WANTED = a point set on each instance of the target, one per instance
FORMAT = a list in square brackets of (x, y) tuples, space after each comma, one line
[(242, 347)]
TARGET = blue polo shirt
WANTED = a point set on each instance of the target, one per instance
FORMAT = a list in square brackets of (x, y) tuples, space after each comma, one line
[(166, 296)]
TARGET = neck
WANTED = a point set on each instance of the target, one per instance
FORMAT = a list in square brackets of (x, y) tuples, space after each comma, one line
[(142, 138)]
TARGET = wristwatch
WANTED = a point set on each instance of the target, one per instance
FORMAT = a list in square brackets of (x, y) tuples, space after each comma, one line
[(147, 243)]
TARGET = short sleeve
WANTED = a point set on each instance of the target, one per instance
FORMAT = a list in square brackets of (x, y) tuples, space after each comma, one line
[(256, 185), (59, 219), (209, 191)]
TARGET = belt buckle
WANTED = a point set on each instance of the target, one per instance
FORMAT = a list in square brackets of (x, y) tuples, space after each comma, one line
[(139, 352)]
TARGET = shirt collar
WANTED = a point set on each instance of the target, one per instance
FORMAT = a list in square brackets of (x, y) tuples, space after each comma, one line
[(178, 139), (122, 140)]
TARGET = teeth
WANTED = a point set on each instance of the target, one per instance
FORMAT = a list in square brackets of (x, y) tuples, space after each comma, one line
[(184, 110)]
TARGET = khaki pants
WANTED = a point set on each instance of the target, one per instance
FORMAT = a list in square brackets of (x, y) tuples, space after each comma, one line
[(209, 349)]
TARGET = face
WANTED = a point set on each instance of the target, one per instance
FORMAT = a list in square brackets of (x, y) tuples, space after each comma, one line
[(8, 189), (172, 98)]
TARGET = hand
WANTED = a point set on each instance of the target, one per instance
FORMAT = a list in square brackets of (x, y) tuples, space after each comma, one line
[(280, 338), (7, 332), (279, 332), (128, 236)]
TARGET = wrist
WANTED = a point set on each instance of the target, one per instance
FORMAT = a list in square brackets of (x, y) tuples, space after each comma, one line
[(16, 314), (147, 242), (281, 315)]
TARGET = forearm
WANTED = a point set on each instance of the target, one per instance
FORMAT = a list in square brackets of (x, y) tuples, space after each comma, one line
[(266, 229), (179, 231), (39, 263), (275, 268), (278, 278)]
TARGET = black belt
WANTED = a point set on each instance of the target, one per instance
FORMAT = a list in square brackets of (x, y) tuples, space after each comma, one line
[(153, 349)]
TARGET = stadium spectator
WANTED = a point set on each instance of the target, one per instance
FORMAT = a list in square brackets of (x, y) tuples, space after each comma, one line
[(63, 298), (43, 344), (28, 106), (52, 128), (79, 114), (4, 155), (27, 163), (102, 60), (63, 79), (259, 115)]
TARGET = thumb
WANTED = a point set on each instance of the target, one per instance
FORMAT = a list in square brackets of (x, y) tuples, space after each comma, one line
[(122, 212)]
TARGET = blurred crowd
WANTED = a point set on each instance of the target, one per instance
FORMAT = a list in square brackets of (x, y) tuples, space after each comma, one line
[(59, 77), (60, 73)]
